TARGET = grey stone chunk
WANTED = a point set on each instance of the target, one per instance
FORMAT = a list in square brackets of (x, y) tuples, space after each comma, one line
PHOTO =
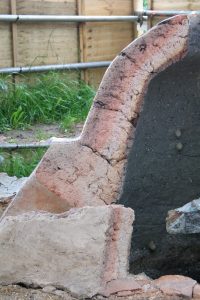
[(184, 220), (49, 289), (78, 251), (9, 186)]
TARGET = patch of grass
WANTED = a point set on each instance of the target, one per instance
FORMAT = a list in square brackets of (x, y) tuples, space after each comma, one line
[(49, 98), (41, 135), (145, 4), (20, 163)]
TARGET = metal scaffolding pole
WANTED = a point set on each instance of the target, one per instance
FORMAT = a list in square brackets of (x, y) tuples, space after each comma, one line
[(55, 18), (81, 19), (163, 13), (69, 67), (35, 145)]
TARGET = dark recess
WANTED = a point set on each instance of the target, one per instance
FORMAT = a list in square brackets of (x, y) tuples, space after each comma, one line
[(161, 176)]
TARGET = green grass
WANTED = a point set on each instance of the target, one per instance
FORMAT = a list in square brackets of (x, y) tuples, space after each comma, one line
[(20, 163), (49, 98), (45, 99), (145, 4)]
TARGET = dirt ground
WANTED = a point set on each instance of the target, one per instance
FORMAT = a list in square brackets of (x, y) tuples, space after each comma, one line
[(38, 133), (15, 292)]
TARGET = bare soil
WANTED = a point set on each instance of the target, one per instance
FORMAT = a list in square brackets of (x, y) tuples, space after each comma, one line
[(38, 133), (15, 292)]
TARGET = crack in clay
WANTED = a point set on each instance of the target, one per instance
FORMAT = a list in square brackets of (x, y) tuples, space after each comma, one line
[(111, 247), (28, 286), (109, 161), (117, 110), (124, 54)]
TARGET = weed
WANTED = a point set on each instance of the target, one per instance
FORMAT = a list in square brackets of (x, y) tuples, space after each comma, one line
[(20, 163), (145, 4), (49, 98), (41, 135)]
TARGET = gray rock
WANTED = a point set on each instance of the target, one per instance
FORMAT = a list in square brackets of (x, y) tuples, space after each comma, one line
[(184, 220), (49, 289), (9, 186), (80, 250), (1, 159), (60, 293)]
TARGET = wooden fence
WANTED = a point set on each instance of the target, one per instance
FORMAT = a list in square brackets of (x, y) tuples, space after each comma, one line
[(25, 44), (171, 5)]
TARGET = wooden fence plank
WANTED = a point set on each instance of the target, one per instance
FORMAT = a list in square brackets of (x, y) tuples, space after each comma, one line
[(176, 5), (173, 5), (5, 7), (14, 33), (150, 20), (46, 7), (6, 37), (103, 41), (82, 40), (49, 43), (5, 45)]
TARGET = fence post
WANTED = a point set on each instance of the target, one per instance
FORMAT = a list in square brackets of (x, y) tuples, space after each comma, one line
[(137, 6), (82, 39), (14, 33), (150, 20)]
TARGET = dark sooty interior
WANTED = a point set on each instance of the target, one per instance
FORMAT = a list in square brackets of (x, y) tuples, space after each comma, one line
[(159, 177)]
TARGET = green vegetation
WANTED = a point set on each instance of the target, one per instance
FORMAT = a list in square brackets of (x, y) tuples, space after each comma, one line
[(20, 163), (145, 4), (42, 99), (49, 98)]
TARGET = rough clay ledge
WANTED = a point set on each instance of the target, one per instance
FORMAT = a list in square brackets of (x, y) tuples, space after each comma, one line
[(85, 250)]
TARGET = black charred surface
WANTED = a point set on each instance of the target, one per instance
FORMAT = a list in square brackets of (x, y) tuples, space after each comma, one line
[(161, 175)]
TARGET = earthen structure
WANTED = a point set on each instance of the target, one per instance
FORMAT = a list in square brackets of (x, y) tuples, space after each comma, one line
[(69, 202)]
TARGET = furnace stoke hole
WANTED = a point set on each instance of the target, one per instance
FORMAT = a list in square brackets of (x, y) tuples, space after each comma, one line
[(161, 176)]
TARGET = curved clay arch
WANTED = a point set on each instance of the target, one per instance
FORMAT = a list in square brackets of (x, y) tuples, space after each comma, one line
[(90, 170)]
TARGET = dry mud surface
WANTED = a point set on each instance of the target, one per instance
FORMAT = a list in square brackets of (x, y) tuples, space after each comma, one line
[(14, 292), (37, 133)]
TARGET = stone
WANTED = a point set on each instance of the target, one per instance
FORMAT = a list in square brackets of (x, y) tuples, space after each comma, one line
[(80, 250), (126, 293), (60, 293), (120, 286), (143, 280), (196, 291), (176, 285), (49, 289), (16, 292), (9, 186), (184, 220)]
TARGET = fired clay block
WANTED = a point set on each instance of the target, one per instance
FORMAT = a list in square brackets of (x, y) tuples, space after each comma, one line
[(80, 250)]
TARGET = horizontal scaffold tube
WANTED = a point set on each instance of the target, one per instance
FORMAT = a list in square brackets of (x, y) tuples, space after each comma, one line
[(74, 66), (56, 18), (13, 146), (80, 19), (164, 13)]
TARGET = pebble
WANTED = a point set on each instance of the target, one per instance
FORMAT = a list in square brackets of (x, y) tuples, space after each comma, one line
[(49, 289), (178, 133), (152, 246), (179, 146), (60, 293)]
